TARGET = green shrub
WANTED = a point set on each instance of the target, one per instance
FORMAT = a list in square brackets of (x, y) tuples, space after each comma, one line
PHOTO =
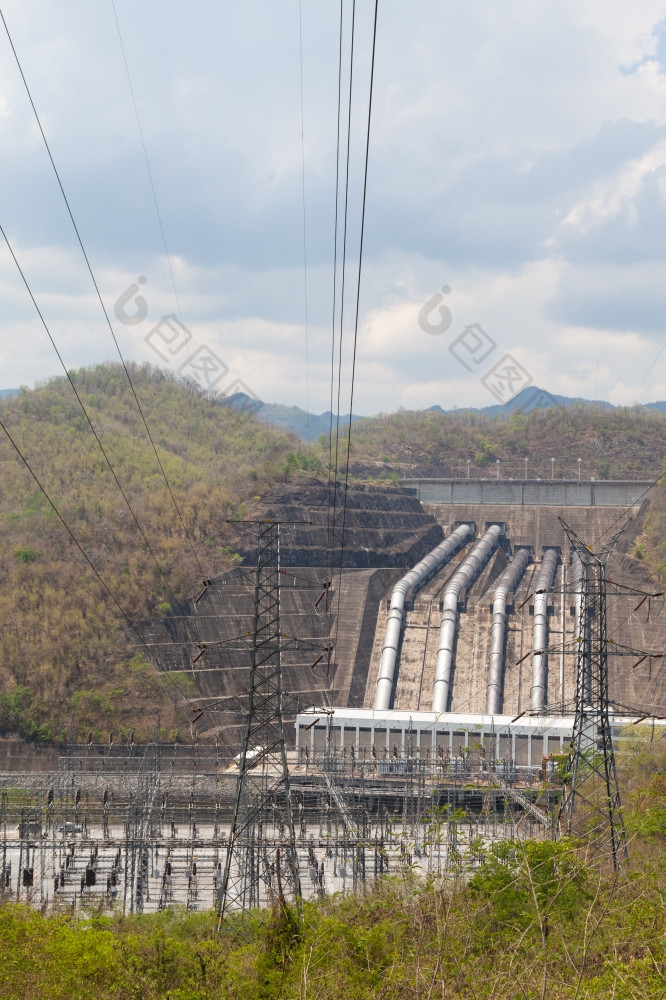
[(26, 554)]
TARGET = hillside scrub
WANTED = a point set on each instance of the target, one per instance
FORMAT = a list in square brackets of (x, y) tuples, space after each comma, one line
[(612, 444), (67, 657), (534, 921)]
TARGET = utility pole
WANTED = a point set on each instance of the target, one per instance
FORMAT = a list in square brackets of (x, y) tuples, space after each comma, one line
[(590, 805), (262, 862)]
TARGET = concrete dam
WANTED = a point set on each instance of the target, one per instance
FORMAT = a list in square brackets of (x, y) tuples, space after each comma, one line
[(453, 607)]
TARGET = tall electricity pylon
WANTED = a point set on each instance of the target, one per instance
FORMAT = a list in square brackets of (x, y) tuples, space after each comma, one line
[(262, 863), (590, 806)]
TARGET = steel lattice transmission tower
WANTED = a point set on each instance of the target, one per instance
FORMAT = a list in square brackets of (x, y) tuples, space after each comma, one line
[(590, 805), (262, 863)]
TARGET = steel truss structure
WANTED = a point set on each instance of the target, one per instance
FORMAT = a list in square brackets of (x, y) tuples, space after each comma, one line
[(262, 841), (590, 805)]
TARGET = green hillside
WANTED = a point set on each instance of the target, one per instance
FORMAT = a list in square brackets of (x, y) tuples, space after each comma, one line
[(612, 444), (65, 652)]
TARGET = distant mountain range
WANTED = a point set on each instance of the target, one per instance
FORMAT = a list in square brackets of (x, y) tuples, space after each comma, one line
[(293, 418), (531, 398), (310, 426), (534, 398)]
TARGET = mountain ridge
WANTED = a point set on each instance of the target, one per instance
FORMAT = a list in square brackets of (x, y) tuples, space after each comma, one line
[(311, 426)]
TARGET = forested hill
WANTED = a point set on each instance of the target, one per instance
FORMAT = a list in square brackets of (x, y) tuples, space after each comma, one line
[(64, 652), (612, 444)]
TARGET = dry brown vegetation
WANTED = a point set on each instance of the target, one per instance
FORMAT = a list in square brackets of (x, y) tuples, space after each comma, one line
[(65, 653), (613, 444)]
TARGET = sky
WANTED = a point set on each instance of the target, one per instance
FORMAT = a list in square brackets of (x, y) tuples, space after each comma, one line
[(515, 224)]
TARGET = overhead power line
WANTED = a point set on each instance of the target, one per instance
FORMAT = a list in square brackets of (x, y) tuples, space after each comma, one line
[(358, 297), (305, 248), (90, 423), (83, 552), (330, 525), (627, 509), (148, 169), (342, 280), (99, 296)]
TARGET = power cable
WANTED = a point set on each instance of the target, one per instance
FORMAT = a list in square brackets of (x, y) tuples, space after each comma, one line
[(71, 534), (358, 297), (145, 156), (305, 249), (203, 618), (342, 290), (635, 392), (335, 275), (90, 423), (99, 296), (627, 509), (613, 603)]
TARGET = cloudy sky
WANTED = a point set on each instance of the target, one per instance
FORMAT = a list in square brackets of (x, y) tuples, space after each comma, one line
[(517, 160)]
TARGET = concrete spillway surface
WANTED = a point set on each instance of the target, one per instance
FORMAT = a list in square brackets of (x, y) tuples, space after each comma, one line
[(386, 533), (383, 527), (389, 534)]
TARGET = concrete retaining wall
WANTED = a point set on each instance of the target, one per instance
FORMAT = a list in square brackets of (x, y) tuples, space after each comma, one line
[(555, 493)]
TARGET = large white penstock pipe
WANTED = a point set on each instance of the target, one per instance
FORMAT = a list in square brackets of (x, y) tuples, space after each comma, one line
[(582, 625), (460, 580), (423, 570), (506, 585), (540, 629)]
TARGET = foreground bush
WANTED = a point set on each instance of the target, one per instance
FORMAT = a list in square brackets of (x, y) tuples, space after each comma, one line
[(533, 921)]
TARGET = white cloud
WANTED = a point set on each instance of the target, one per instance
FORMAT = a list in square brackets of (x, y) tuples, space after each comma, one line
[(610, 195), (518, 154)]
